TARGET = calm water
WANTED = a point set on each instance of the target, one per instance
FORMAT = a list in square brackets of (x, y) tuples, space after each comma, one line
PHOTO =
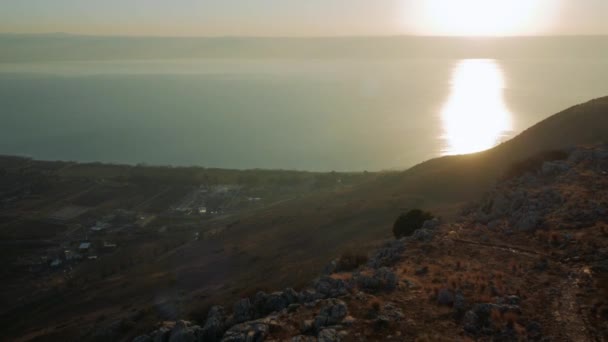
[(315, 114)]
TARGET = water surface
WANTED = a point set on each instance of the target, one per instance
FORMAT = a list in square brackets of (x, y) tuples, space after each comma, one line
[(292, 114)]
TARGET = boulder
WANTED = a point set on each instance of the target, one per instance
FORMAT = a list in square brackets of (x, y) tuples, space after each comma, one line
[(291, 296), (328, 335), (423, 235), (215, 325), (242, 311), (383, 279), (445, 297), (185, 332), (331, 288), (431, 224), (160, 335), (553, 168), (303, 338), (275, 302), (143, 338), (309, 296), (256, 331), (470, 322), (388, 255)]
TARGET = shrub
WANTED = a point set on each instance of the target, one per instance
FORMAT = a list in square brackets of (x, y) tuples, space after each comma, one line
[(534, 164), (350, 260), (409, 222)]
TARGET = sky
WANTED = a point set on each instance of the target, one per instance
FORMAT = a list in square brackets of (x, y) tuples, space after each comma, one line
[(305, 18)]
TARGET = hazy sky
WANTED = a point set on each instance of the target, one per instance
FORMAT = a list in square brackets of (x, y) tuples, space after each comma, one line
[(310, 17)]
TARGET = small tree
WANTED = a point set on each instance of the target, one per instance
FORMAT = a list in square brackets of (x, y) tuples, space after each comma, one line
[(409, 222)]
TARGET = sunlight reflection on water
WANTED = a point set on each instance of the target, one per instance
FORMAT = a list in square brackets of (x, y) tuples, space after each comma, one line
[(475, 116)]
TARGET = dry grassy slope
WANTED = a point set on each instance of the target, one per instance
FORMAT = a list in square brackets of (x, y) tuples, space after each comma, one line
[(294, 239), (486, 277)]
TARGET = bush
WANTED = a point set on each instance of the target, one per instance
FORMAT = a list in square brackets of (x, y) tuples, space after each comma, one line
[(409, 222), (350, 260), (534, 164)]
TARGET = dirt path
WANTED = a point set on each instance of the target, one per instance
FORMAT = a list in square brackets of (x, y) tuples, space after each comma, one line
[(572, 324), (567, 313)]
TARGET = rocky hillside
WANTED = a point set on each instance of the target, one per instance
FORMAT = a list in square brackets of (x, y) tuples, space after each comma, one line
[(528, 262)]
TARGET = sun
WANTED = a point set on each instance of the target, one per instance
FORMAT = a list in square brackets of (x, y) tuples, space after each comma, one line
[(479, 17)]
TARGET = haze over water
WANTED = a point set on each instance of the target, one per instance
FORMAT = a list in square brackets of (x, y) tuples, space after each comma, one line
[(314, 114)]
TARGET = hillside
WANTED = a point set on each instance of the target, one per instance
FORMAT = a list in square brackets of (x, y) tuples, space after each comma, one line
[(528, 262), (162, 272), (284, 235)]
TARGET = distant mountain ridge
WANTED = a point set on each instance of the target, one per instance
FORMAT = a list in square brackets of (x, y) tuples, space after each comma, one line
[(67, 47)]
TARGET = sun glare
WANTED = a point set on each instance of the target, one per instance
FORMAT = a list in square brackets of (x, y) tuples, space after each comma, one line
[(480, 17), (475, 117)]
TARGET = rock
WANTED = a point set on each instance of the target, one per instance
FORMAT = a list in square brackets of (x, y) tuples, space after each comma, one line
[(470, 322), (534, 330), (331, 288), (307, 326), (382, 322), (529, 221), (552, 168), (215, 325), (420, 271), (309, 296), (445, 297), (336, 312), (512, 300), (431, 224), (459, 306), (383, 279), (303, 338), (291, 296), (328, 335), (247, 332), (293, 308), (349, 321), (274, 302), (184, 332), (259, 304), (542, 265), (331, 314), (161, 334), (388, 255), (330, 268), (242, 311), (320, 322), (143, 338), (423, 235), (393, 312)]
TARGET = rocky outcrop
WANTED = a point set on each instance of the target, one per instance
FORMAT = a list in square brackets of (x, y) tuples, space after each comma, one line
[(475, 291)]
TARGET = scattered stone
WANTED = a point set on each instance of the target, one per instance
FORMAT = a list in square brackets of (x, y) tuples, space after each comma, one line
[(382, 322), (291, 296), (534, 330), (328, 335), (445, 297), (392, 311), (423, 235), (215, 325), (143, 338), (349, 321), (309, 296), (242, 311), (303, 338), (388, 255), (383, 279), (424, 270), (247, 332), (185, 332), (293, 308), (329, 287)]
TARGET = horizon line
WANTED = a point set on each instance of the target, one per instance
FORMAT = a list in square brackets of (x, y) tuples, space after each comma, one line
[(88, 35)]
